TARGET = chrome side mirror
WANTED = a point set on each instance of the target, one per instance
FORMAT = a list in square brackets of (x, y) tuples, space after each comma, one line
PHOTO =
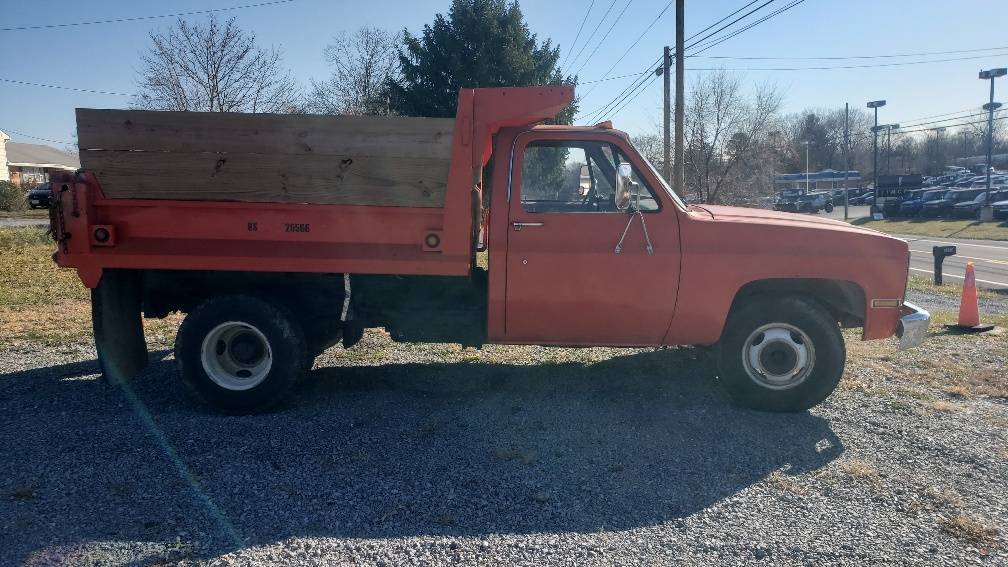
[(624, 186)]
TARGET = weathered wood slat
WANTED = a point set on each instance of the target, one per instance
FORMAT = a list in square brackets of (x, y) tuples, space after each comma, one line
[(284, 134), (324, 179)]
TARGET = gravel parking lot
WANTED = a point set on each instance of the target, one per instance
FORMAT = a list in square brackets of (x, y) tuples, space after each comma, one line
[(392, 454)]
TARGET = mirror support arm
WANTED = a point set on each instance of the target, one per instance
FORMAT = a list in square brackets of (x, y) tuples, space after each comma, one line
[(647, 239)]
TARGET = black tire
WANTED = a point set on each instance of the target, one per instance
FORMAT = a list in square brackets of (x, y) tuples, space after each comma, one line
[(829, 207), (827, 353), (274, 336)]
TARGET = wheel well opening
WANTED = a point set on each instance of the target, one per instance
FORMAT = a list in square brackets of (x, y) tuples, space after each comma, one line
[(845, 300)]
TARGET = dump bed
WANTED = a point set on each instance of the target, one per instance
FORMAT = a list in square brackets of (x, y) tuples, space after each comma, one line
[(267, 158), (285, 193)]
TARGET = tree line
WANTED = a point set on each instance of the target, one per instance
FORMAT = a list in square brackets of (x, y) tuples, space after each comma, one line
[(737, 137)]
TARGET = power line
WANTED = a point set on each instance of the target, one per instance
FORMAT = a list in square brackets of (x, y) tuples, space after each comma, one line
[(914, 125), (837, 58), (61, 87), (592, 34), (951, 126), (730, 24), (723, 39), (601, 41), (139, 18), (578, 35), (690, 38), (634, 44), (865, 66), (630, 89), (36, 137), (939, 115)]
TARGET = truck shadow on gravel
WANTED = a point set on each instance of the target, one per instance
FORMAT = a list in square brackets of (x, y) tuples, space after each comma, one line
[(392, 450)]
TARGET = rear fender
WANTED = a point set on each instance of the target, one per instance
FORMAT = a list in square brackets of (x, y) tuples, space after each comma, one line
[(118, 325)]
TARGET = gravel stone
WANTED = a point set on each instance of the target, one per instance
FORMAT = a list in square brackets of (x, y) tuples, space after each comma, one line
[(631, 458)]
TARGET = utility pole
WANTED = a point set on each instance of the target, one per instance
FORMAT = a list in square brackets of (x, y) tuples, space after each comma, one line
[(987, 213), (679, 163), (888, 151), (846, 174), (875, 104), (666, 116)]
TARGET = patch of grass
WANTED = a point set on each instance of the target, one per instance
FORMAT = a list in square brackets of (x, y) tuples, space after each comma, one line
[(32, 214), (858, 469), (946, 228), (953, 364), (975, 530), (944, 406), (44, 304), (949, 289), (784, 482)]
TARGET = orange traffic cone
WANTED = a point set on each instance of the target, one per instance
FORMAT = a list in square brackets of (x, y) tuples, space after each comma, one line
[(969, 308)]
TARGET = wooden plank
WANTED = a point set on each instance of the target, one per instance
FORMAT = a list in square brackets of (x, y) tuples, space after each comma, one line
[(286, 134), (349, 180)]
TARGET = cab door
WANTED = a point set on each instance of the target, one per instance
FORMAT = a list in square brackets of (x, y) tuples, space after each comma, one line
[(565, 283)]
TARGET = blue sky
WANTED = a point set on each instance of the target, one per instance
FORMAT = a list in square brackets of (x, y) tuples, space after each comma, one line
[(106, 57)]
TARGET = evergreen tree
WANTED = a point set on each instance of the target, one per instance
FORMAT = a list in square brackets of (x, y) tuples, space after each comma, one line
[(482, 43)]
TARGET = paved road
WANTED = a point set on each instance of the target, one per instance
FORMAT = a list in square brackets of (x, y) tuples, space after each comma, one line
[(989, 257), (854, 212)]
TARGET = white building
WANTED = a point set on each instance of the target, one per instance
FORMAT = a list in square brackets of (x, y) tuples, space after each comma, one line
[(27, 165)]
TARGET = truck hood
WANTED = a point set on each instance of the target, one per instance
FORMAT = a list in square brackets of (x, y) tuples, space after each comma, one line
[(721, 213)]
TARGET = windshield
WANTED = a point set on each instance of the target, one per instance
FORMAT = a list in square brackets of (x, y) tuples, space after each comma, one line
[(661, 181)]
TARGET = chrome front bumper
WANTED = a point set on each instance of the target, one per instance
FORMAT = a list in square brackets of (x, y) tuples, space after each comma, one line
[(912, 327)]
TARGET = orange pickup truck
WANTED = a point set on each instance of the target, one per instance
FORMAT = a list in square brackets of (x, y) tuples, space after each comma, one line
[(586, 245)]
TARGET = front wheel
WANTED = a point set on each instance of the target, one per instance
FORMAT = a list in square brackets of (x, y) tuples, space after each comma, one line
[(239, 353), (829, 207), (781, 354)]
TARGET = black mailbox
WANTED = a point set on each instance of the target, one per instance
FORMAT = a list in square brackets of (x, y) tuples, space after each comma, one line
[(940, 253)]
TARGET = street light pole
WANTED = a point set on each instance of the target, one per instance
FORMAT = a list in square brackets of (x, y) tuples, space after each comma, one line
[(806, 142), (987, 213), (875, 104)]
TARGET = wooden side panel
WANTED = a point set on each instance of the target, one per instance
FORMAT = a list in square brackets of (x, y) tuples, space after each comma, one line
[(335, 180), (347, 160)]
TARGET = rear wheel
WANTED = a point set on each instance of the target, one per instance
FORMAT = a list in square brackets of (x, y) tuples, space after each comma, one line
[(239, 353), (780, 354)]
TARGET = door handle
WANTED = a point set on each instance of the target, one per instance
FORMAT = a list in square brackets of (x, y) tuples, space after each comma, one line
[(520, 225)]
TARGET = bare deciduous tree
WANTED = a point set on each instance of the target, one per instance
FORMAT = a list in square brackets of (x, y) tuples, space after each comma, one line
[(724, 130), (362, 64), (650, 146), (213, 68)]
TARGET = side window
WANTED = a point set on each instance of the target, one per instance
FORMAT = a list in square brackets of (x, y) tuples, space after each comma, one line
[(574, 177), (555, 178)]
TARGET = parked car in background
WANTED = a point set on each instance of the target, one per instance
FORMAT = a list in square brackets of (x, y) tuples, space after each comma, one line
[(971, 208), (39, 197), (911, 205), (797, 201), (866, 199), (1000, 209), (943, 207)]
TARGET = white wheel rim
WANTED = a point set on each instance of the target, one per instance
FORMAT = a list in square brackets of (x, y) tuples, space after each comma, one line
[(778, 356), (236, 356)]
